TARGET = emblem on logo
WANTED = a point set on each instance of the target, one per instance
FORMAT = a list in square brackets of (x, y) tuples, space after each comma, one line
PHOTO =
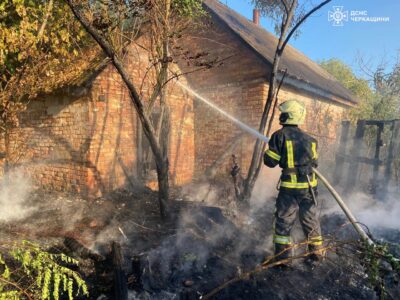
[(337, 16)]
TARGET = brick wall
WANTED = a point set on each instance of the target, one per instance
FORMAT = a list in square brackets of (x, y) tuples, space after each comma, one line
[(89, 144), (181, 146), (214, 133), (240, 87), (53, 141), (234, 82), (113, 123)]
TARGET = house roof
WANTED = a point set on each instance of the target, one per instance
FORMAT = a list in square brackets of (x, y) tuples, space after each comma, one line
[(302, 72)]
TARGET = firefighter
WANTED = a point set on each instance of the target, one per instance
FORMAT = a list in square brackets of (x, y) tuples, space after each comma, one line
[(296, 153)]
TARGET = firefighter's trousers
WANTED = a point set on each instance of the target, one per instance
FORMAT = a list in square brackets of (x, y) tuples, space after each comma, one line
[(287, 206)]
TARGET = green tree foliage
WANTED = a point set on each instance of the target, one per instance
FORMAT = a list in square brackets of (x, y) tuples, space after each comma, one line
[(386, 101), (32, 273), (190, 8), (42, 48), (37, 40), (379, 97), (345, 75)]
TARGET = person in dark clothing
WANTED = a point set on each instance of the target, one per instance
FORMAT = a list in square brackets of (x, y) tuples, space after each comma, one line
[(296, 153)]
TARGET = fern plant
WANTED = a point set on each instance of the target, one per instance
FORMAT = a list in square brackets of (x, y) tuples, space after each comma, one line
[(32, 273)]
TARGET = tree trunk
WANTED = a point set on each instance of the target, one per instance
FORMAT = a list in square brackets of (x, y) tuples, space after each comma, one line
[(163, 131), (6, 167), (271, 119), (148, 129), (163, 187), (259, 147), (46, 18), (163, 173), (162, 128)]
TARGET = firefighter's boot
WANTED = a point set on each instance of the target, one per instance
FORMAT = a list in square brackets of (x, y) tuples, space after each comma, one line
[(317, 252), (283, 253)]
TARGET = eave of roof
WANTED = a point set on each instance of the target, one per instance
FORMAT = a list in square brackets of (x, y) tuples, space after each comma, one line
[(303, 73)]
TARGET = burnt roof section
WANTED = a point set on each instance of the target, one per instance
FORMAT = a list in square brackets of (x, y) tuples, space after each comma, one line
[(303, 73)]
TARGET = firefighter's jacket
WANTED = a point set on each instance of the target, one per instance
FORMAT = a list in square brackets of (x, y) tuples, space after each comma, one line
[(296, 153)]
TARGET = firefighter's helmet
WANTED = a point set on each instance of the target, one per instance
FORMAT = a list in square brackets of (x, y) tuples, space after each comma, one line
[(293, 112)]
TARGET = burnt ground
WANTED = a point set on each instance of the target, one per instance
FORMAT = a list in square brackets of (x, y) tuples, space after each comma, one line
[(200, 248)]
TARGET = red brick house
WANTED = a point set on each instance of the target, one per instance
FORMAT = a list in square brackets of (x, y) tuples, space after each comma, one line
[(87, 139)]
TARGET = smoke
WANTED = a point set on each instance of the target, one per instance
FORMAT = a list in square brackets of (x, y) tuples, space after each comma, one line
[(115, 231), (216, 236), (371, 210), (15, 189), (382, 214), (204, 192), (206, 244), (256, 219), (265, 190)]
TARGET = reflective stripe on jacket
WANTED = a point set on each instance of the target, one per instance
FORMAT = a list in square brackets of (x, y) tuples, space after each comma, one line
[(296, 153)]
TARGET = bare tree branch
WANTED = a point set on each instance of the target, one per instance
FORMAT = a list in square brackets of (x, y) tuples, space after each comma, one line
[(293, 30), (108, 50)]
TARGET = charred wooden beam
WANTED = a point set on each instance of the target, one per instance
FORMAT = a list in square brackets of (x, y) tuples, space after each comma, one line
[(354, 165), (120, 280), (134, 279), (378, 123), (80, 250)]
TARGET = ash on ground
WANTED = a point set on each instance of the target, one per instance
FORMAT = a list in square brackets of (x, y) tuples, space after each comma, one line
[(202, 246)]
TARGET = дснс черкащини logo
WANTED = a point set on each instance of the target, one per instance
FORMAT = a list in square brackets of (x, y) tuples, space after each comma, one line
[(338, 16)]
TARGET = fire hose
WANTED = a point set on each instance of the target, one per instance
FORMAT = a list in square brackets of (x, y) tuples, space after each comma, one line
[(364, 236), (345, 208)]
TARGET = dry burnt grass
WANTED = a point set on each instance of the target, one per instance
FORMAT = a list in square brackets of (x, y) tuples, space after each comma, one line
[(188, 256)]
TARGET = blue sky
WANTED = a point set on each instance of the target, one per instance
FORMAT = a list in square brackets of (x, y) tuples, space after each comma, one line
[(374, 41)]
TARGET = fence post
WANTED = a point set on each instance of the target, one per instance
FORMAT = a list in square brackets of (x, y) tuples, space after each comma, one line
[(377, 163), (393, 151), (355, 156), (341, 152)]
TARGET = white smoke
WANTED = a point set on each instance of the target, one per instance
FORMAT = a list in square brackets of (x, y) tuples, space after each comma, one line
[(372, 211), (203, 192), (265, 191), (15, 189)]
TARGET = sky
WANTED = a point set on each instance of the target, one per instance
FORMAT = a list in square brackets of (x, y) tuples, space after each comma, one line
[(374, 42)]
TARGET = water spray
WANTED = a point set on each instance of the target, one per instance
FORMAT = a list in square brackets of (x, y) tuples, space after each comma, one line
[(242, 125), (265, 139)]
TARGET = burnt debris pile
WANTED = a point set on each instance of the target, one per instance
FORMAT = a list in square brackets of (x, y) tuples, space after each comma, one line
[(208, 251)]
